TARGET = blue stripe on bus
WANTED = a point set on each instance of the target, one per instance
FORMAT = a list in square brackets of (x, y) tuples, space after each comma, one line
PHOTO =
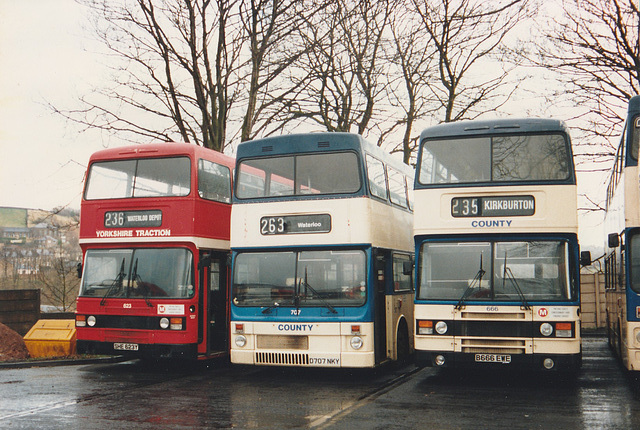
[(307, 314), (363, 313), (574, 259)]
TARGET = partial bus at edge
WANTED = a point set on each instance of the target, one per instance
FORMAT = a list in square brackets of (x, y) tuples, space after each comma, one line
[(622, 245)]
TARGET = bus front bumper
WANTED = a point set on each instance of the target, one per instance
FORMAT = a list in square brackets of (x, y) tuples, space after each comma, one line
[(146, 351), (547, 362)]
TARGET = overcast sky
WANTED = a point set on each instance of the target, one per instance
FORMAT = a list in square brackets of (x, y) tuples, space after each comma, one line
[(48, 55), (44, 57)]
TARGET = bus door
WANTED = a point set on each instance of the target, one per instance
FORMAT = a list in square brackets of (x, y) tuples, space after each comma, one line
[(380, 318), (215, 311)]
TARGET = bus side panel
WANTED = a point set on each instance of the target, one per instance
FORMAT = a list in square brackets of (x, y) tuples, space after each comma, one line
[(212, 220)]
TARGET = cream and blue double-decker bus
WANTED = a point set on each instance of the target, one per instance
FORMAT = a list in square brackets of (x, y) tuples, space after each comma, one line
[(622, 247), (321, 238), (497, 257)]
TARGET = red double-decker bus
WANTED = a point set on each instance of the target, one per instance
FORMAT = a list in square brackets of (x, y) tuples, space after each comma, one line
[(154, 232)]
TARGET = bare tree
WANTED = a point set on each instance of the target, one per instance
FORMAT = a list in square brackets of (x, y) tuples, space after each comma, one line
[(344, 57), (56, 273), (189, 69), (594, 48), (272, 28), (469, 38), (412, 58), (58, 281), (174, 67), (594, 45)]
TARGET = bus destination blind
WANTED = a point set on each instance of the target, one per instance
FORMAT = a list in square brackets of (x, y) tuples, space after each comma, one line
[(126, 219), (295, 224), (492, 206)]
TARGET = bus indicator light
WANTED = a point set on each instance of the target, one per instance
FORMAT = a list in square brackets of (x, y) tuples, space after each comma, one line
[(563, 329), (81, 321), (425, 327), (355, 329), (175, 323), (239, 328)]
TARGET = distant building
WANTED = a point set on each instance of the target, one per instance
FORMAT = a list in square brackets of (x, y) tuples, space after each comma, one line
[(30, 238)]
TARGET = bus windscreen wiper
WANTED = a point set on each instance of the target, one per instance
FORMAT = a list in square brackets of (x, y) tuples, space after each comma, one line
[(477, 280), (137, 279), (268, 309), (509, 274), (115, 285), (316, 294)]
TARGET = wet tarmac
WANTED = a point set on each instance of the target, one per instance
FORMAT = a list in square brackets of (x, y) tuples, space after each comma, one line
[(133, 394)]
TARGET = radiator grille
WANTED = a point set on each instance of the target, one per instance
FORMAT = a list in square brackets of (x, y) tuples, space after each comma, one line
[(493, 346), (282, 342), (282, 358), (493, 315)]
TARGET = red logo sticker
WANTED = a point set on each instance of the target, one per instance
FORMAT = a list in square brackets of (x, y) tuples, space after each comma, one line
[(543, 312)]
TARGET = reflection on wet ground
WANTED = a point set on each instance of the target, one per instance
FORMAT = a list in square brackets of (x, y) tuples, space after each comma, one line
[(135, 394)]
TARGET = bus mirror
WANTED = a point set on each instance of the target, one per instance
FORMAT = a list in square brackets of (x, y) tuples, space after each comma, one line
[(614, 240), (585, 258), (79, 269), (407, 267)]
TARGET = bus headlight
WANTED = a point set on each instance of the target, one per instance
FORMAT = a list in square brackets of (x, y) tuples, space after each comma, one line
[(546, 329), (356, 342), (638, 336), (164, 322), (91, 320), (441, 327), (241, 341)]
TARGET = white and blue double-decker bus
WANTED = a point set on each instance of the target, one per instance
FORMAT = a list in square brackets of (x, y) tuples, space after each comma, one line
[(321, 238), (622, 255), (497, 257)]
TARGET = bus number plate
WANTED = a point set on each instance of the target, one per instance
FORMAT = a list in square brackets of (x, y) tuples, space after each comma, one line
[(125, 346), (493, 358)]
